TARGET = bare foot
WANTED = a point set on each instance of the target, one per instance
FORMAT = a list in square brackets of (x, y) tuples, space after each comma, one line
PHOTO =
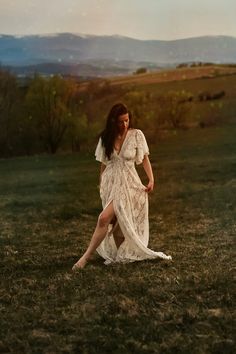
[(80, 264)]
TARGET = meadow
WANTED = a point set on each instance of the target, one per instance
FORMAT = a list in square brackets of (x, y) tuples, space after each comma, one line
[(142, 93), (49, 207)]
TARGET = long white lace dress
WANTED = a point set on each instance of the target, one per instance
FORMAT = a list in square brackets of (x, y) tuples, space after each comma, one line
[(120, 184)]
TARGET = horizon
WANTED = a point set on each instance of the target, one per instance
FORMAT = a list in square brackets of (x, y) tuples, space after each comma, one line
[(109, 35)]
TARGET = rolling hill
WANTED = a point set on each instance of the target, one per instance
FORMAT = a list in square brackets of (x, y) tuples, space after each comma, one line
[(89, 55)]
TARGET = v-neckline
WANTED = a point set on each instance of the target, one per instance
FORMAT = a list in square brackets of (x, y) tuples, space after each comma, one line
[(118, 153)]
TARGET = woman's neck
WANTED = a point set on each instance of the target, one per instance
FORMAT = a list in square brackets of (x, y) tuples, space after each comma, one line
[(122, 134)]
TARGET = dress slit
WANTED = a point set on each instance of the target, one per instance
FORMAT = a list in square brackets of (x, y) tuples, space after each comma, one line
[(115, 225)]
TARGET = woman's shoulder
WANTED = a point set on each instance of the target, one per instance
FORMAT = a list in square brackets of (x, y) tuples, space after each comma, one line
[(135, 130), (138, 132)]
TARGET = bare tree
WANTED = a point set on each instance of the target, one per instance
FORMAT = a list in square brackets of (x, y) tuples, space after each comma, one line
[(50, 101), (8, 98), (173, 108)]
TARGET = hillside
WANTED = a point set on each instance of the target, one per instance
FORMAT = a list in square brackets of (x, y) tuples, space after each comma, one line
[(180, 74), (167, 75), (141, 93)]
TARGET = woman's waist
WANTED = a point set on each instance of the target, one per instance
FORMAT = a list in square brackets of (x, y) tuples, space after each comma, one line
[(120, 162), (114, 173)]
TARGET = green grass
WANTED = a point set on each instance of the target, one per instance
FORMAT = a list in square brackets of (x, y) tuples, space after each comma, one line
[(210, 113), (222, 110), (49, 207)]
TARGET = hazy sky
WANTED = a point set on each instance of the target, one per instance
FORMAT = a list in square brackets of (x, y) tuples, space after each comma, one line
[(144, 19)]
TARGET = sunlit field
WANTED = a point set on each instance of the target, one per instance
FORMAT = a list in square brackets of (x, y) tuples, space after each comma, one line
[(49, 206)]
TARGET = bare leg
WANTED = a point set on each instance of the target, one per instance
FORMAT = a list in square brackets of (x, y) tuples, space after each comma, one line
[(99, 234), (118, 236)]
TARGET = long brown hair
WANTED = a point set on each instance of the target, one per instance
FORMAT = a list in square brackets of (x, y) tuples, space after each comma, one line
[(111, 131)]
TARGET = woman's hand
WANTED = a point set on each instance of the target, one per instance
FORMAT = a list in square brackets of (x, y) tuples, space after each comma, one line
[(148, 169), (150, 187)]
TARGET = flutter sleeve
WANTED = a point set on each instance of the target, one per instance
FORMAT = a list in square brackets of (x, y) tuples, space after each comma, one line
[(141, 148), (100, 152)]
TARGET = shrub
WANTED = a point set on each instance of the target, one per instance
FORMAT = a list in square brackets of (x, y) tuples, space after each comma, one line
[(141, 71)]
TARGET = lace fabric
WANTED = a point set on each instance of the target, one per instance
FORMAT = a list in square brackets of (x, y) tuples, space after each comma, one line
[(121, 184)]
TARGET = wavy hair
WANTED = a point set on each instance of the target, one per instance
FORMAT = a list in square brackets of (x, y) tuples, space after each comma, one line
[(111, 130)]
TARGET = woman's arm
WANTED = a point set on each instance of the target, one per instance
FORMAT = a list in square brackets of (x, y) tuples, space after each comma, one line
[(148, 169)]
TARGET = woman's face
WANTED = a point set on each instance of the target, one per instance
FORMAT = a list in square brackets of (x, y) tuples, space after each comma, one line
[(123, 122)]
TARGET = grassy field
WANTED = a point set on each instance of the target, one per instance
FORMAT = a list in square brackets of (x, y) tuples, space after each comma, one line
[(49, 207), (173, 74), (189, 81)]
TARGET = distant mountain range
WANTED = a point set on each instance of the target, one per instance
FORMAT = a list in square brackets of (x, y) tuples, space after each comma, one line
[(89, 55)]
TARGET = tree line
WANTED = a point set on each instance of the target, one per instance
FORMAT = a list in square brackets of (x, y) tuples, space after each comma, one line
[(52, 114), (46, 115)]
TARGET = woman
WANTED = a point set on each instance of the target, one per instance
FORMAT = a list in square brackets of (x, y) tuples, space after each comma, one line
[(122, 230)]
